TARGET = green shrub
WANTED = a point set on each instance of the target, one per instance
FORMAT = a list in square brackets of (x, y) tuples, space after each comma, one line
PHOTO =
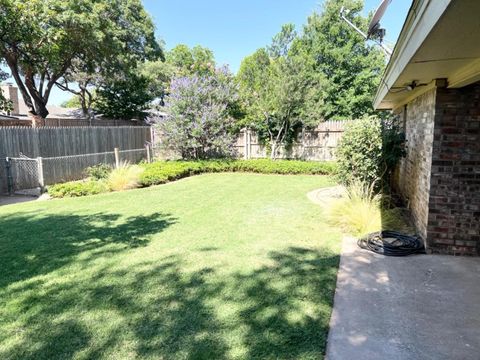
[(161, 172), (98, 172), (124, 177), (362, 211), (77, 188), (369, 151)]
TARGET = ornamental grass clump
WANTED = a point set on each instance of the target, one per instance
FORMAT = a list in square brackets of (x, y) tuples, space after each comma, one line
[(363, 211), (125, 177)]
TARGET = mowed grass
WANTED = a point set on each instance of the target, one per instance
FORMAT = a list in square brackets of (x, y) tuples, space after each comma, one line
[(217, 266)]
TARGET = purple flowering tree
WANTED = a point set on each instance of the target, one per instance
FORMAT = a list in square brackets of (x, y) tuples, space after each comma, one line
[(199, 119)]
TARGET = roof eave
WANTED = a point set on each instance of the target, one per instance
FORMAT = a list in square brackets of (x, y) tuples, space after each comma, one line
[(421, 18)]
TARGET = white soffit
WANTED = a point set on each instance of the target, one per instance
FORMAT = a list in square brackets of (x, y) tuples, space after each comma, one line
[(440, 39)]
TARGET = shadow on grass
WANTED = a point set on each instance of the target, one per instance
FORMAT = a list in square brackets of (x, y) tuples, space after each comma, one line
[(160, 310), (32, 245)]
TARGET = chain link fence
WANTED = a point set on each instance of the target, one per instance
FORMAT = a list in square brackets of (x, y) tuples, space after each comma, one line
[(22, 173), (25, 173)]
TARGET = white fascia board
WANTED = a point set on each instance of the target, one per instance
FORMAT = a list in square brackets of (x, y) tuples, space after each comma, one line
[(420, 21)]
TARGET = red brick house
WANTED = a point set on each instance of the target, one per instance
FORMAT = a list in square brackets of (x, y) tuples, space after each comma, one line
[(432, 82)]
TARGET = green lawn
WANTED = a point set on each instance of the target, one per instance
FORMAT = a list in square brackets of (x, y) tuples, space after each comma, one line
[(218, 266)]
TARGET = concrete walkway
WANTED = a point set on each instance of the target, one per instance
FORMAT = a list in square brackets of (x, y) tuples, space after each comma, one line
[(417, 307), (16, 199)]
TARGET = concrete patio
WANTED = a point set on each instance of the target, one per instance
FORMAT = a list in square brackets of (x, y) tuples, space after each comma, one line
[(417, 307)]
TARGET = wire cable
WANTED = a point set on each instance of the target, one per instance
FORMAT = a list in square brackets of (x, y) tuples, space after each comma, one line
[(392, 243)]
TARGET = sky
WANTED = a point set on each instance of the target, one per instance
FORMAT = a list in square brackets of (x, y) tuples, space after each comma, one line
[(233, 29)]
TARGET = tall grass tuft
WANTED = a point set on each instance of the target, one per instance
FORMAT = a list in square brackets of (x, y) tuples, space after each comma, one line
[(125, 177), (362, 211)]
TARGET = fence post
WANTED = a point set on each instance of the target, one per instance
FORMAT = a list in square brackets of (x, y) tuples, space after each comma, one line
[(41, 180), (245, 145), (149, 156), (117, 157), (249, 142), (8, 164)]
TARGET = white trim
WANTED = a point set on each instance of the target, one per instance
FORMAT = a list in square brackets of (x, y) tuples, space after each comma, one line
[(421, 19), (465, 76)]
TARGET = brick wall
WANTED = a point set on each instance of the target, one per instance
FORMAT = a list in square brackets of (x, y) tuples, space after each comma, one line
[(440, 176), (412, 178), (454, 206)]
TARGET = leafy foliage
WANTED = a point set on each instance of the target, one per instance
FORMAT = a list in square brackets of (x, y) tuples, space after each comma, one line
[(47, 41), (77, 189), (369, 150), (350, 68), (195, 61), (5, 104), (72, 103), (124, 97), (159, 75), (98, 172), (181, 61), (275, 88), (161, 172), (199, 115)]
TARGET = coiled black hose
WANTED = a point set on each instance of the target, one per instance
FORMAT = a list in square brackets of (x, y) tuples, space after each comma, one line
[(392, 243)]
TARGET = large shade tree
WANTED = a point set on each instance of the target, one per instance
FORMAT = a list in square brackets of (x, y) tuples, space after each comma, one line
[(45, 41), (181, 61), (275, 87), (350, 66)]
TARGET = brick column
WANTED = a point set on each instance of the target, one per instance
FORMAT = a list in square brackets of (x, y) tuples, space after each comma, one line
[(454, 203)]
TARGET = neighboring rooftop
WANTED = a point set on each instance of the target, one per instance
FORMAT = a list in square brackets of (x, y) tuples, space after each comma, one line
[(20, 109)]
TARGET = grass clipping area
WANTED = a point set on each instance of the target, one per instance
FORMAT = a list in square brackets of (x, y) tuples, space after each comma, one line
[(361, 211), (216, 266)]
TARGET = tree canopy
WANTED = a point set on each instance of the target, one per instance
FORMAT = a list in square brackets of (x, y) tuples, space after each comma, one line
[(327, 72), (181, 61), (125, 96), (275, 84), (43, 41), (200, 115), (351, 68)]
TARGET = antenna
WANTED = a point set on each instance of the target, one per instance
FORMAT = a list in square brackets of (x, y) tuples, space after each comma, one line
[(375, 32), (374, 29)]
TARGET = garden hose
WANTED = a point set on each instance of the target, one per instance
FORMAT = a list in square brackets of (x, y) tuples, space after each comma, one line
[(392, 243)]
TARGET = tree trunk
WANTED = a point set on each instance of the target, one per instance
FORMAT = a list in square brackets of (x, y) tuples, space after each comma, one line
[(273, 155), (37, 121), (41, 109)]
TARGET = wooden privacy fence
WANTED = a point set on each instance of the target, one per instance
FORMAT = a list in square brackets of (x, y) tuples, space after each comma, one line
[(70, 122), (318, 144), (66, 152)]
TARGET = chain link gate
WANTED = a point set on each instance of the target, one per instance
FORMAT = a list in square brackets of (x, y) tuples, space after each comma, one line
[(23, 173)]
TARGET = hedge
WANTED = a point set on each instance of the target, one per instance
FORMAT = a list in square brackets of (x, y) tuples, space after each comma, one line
[(161, 172), (164, 171), (77, 188)]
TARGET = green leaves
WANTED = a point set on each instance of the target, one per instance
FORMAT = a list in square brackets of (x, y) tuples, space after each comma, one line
[(44, 40), (125, 97), (369, 151), (350, 67)]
